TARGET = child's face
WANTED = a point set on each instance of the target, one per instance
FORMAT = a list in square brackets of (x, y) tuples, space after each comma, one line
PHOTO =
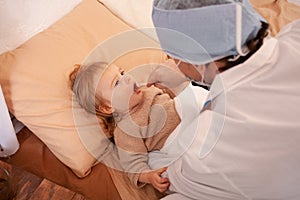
[(119, 91)]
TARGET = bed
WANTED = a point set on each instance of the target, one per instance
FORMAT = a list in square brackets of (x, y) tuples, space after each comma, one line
[(34, 78)]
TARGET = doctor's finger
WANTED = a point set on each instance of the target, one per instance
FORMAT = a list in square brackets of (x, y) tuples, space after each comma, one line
[(163, 187), (162, 170), (155, 76), (166, 76)]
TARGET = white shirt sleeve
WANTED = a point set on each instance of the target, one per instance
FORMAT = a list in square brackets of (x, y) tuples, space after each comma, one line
[(188, 105), (191, 99)]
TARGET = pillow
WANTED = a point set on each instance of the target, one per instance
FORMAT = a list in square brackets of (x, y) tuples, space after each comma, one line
[(137, 12), (20, 20), (34, 79), (297, 2), (277, 13)]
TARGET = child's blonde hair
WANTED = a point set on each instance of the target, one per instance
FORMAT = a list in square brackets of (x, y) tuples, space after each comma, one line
[(84, 81)]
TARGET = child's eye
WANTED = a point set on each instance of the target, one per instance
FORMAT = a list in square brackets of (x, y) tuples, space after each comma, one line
[(117, 83)]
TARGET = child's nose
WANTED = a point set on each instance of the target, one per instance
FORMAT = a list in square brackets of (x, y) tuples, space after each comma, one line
[(126, 79)]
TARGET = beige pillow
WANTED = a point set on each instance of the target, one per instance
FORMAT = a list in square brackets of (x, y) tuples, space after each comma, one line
[(277, 13), (34, 78)]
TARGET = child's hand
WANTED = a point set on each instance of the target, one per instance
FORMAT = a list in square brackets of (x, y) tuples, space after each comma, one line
[(155, 179)]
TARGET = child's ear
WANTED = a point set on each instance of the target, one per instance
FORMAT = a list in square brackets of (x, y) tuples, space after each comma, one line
[(105, 109)]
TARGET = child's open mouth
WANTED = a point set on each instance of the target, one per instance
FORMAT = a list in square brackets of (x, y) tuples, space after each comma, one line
[(136, 89)]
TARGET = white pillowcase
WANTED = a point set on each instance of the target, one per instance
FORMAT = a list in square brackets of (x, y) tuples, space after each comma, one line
[(20, 20), (136, 13), (297, 2)]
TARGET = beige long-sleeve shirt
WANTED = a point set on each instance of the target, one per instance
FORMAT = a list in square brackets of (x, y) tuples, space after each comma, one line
[(144, 129)]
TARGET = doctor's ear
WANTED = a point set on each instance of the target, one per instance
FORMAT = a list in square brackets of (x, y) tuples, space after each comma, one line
[(105, 109)]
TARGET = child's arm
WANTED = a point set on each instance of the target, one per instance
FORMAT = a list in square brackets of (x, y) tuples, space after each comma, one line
[(139, 173), (133, 156), (155, 179)]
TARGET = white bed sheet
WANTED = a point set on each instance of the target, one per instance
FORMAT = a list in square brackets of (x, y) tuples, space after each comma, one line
[(20, 20), (297, 2)]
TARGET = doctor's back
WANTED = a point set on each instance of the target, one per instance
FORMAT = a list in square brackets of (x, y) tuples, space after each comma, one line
[(253, 141)]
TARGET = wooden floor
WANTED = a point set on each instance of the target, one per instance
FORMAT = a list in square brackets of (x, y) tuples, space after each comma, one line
[(24, 186)]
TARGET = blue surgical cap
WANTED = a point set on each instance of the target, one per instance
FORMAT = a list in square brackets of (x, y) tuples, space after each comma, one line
[(200, 35)]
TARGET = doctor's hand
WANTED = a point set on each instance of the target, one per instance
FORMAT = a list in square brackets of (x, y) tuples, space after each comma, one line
[(168, 76), (155, 179)]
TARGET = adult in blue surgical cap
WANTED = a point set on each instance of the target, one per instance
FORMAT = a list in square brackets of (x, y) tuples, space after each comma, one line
[(246, 144)]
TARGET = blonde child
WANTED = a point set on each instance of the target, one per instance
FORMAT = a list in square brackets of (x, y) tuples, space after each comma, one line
[(140, 119)]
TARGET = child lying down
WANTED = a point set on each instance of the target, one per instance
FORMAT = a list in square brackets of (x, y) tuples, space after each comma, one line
[(141, 119)]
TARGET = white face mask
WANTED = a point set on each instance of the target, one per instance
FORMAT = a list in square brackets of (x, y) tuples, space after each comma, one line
[(242, 50), (201, 71)]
